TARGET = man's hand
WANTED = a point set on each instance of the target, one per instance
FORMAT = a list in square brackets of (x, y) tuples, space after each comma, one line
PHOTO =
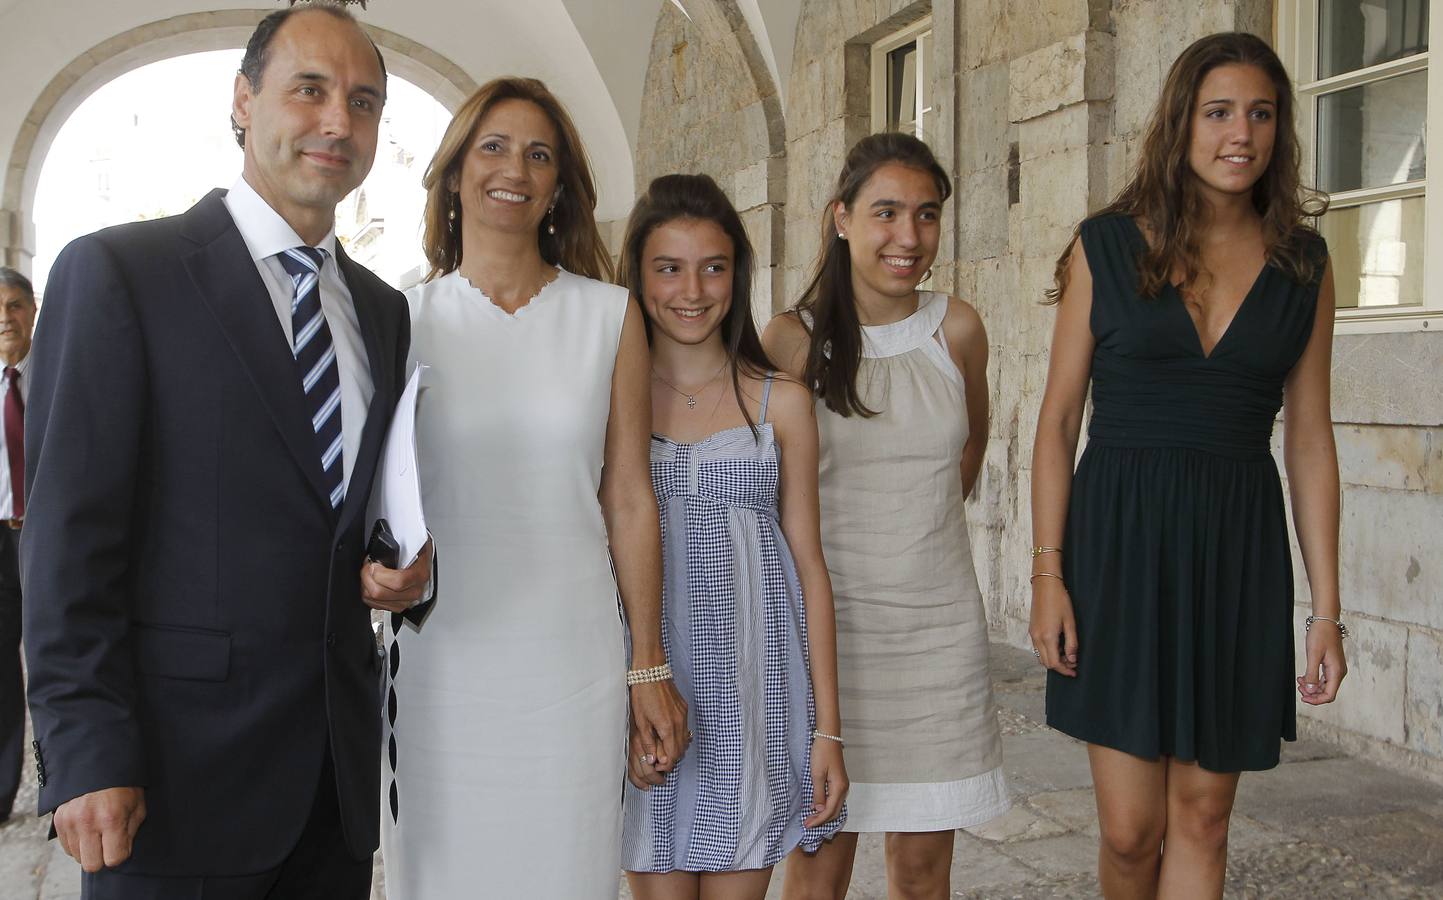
[(97, 828), (396, 590)]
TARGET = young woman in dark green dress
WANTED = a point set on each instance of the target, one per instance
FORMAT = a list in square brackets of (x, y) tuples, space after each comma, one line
[(1195, 307)]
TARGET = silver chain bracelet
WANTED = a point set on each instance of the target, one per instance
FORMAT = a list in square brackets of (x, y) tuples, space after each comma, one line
[(1308, 624)]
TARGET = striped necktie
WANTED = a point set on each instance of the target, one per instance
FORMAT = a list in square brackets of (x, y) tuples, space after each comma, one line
[(316, 361)]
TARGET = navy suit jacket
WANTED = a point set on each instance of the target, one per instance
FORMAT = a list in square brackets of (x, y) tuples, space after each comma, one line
[(193, 619)]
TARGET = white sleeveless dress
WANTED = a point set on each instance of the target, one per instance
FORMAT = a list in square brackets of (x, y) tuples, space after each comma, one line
[(505, 744), (924, 751)]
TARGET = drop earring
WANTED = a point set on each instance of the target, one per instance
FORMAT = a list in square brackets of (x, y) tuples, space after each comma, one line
[(451, 212), (551, 220)]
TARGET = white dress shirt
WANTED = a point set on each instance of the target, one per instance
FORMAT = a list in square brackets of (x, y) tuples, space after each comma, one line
[(267, 234), (7, 502)]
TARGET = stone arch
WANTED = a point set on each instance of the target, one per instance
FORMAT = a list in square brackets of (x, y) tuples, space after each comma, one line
[(710, 104), (152, 42)]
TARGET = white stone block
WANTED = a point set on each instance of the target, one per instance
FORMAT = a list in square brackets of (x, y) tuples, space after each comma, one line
[(1370, 698), (1068, 128), (1397, 457), (983, 118), (749, 186), (981, 200), (1139, 65), (985, 32), (759, 224), (1053, 201), (1391, 555), (1381, 378), (1035, 23), (1069, 71), (1424, 713)]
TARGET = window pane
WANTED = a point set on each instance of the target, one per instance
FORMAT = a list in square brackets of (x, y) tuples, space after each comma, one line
[(1377, 252), (1354, 34), (1374, 134), (902, 88)]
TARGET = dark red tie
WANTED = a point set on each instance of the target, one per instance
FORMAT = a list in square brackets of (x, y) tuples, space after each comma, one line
[(15, 442)]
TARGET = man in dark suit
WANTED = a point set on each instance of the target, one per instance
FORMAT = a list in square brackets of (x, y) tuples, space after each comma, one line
[(208, 398), (17, 319)]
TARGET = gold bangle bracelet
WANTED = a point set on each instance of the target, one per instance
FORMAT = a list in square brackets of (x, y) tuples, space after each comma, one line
[(1037, 575), (1038, 551)]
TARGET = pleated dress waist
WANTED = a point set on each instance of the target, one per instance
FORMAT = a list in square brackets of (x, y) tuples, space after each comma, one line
[(1184, 405)]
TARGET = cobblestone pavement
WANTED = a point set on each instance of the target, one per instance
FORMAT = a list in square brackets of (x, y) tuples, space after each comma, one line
[(1320, 826)]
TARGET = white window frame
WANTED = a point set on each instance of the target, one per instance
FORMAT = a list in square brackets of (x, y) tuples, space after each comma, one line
[(1297, 44), (921, 32)]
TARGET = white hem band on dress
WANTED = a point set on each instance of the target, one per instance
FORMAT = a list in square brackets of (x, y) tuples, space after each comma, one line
[(927, 806)]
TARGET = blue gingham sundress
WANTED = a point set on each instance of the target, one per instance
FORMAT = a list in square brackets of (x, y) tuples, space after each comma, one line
[(735, 633)]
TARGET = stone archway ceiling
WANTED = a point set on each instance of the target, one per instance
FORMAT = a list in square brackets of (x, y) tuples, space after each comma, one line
[(593, 53)]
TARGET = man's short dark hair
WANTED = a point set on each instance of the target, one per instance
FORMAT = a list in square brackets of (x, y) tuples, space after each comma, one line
[(258, 48), (13, 279)]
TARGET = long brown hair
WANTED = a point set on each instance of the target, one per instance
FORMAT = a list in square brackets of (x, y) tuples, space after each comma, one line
[(576, 246), (835, 352), (1164, 192), (697, 197)]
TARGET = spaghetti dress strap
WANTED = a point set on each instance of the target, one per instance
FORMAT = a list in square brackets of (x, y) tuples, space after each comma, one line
[(766, 395)]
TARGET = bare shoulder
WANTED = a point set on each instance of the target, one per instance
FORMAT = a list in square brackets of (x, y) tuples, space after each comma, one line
[(792, 412), (786, 326), (789, 398), (786, 341), (963, 325)]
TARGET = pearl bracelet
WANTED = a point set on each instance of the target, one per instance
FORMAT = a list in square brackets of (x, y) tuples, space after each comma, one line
[(649, 676), (828, 737)]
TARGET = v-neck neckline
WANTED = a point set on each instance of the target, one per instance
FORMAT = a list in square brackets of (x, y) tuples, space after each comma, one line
[(1197, 336)]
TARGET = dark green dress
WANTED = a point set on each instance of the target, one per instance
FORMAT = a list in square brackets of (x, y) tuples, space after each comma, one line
[(1176, 553)]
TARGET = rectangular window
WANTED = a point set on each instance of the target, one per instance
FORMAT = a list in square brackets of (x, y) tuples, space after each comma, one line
[(899, 80), (1366, 95)]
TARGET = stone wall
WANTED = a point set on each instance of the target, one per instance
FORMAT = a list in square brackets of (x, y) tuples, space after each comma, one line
[(1040, 107), (710, 105), (1388, 418)]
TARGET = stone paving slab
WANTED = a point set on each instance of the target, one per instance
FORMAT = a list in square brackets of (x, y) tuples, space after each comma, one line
[(1320, 826)]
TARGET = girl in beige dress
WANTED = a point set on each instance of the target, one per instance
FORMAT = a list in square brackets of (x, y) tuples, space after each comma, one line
[(900, 380)]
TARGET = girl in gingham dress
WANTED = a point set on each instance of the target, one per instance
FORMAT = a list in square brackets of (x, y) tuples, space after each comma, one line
[(747, 604)]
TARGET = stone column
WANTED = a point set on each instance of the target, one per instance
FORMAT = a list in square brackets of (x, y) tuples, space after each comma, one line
[(17, 241), (1035, 88)]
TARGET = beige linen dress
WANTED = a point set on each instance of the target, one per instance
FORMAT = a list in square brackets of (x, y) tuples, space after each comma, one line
[(923, 748)]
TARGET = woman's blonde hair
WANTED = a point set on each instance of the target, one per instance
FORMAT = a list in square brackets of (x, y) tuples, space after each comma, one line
[(576, 246)]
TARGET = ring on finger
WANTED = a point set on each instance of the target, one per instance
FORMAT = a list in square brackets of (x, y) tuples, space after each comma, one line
[(646, 759), (1037, 653)]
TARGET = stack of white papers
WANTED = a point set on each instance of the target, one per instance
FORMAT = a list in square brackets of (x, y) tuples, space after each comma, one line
[(396, 492)]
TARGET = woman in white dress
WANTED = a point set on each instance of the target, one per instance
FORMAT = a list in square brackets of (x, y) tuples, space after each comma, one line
[(507, 709)]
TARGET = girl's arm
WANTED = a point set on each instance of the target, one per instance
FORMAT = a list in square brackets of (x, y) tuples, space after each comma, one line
[(1053, 628), (1311, 461), (634, 531), (794, 423), (967, 344)]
